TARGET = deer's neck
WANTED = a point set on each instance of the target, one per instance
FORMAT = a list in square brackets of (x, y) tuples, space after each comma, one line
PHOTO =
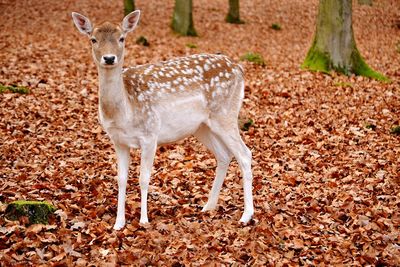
[(111, 93)]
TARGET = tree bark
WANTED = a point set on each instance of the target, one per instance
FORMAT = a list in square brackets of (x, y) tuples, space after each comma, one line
[(182, 19), (129, 6), (334, 46), (234, 13)]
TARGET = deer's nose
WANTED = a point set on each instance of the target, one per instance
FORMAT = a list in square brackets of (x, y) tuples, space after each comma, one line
[(109, 59)]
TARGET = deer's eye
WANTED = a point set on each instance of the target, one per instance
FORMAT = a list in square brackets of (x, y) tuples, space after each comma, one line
[(93, 41), (121, 40)]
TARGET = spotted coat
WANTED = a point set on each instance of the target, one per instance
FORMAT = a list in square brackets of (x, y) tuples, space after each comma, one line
[(213, 74)]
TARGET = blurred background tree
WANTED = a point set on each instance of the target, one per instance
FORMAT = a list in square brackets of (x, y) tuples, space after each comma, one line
[(334, 46), (233, 15), (182, 19), (129, 6)]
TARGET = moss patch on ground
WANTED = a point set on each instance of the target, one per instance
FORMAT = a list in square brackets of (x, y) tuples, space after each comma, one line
[(254, 57), (276, 27), (141, 40), (14, 89), (343, 84), (191, 45), (35, 211), (247, 124), (395, 130)]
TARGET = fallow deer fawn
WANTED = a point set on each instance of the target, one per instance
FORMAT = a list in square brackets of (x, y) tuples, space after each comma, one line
[(149, 105)]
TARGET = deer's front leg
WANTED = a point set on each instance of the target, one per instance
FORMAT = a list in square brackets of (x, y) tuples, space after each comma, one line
[(148, 151), (123, 168)]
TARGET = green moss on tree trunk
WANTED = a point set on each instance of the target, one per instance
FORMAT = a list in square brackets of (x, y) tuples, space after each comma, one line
[(129, 6), (35, 211), (361, 68), (334, 46), (182, 19), (233, 15), (317, 60)]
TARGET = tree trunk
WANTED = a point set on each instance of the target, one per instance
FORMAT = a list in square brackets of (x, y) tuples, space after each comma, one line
[(334, 47), (182, 20), (365, 2), (233, 13), (129, 6)]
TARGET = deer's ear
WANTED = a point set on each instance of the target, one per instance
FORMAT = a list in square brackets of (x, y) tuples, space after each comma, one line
[(130, 21), (82, 23)]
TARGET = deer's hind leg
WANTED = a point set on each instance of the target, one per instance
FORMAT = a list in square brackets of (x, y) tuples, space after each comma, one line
[(223, 156), (228, 132)]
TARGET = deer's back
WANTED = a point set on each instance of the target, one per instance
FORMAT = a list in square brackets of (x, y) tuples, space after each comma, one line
[(212, 75)]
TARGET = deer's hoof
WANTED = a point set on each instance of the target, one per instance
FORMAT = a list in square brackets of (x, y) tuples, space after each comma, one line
[(144, 220), (119, 224), (246, 217), (209, 207)]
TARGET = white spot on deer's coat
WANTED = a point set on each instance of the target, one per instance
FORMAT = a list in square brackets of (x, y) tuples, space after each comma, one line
[(140, 98), (206, 67), (148, 70)]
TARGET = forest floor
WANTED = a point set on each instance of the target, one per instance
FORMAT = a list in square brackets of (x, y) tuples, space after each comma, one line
[(326, 165)]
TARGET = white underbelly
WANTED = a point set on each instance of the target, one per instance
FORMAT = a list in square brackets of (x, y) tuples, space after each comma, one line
[(181, 117)]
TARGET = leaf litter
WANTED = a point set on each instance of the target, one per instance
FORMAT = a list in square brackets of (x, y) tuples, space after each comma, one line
[(326, 187)]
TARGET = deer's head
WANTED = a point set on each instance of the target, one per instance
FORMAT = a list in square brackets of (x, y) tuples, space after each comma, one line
[(108, 39)]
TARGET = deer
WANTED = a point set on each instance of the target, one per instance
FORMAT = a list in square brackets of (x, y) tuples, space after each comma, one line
[(145, 106)]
